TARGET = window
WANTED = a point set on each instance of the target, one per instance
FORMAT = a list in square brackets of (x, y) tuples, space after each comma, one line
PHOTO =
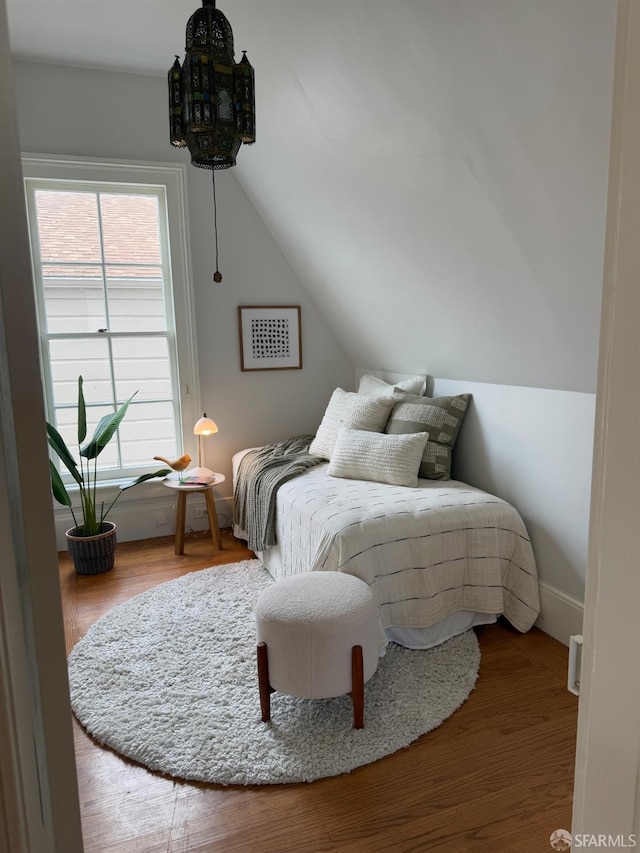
[(114, 304)]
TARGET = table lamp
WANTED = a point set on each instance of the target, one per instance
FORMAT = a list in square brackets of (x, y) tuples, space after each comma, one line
[(203, 426)]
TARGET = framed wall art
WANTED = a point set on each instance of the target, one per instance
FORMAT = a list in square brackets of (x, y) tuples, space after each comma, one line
[(270, 337)]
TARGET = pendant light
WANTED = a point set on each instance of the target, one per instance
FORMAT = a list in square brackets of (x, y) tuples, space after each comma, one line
[(211, 97)]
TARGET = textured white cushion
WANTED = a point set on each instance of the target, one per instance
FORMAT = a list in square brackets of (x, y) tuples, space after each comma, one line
[(310, 623), (375, 387), (359, 455), (347, 409)]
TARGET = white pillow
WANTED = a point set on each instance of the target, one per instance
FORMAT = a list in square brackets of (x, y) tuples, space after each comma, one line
[(347, 409), (359, 455), (375, 387)]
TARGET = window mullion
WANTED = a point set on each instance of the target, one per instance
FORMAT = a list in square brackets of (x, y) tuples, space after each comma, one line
[(107, 331), (104, 268)]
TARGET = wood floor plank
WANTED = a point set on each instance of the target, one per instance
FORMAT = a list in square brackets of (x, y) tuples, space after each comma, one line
[(497, 775)]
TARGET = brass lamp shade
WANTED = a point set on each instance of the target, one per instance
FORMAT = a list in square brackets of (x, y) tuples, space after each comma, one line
[(211, 97)]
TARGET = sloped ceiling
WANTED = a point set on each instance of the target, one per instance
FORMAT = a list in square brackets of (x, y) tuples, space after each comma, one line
[(435, 170)]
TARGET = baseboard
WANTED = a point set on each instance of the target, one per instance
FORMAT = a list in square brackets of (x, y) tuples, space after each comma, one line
[(561, 614), (150, 518)]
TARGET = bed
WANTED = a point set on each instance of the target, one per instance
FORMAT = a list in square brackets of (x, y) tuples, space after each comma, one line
[(440, 557), (371, 494)]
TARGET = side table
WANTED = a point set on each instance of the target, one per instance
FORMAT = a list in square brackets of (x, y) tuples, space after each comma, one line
[(183, 489)]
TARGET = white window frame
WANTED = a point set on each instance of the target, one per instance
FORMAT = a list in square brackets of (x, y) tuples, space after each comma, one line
[(42, 171)]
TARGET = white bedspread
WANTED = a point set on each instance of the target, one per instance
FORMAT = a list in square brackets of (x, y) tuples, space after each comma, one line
[(426, 552)]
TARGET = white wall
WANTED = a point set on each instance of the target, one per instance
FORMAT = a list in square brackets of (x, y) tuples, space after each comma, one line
[(83, 112), (436, 172), (533, 447)]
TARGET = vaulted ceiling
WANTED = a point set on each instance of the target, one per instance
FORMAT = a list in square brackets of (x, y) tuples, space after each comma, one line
[(435, 170)]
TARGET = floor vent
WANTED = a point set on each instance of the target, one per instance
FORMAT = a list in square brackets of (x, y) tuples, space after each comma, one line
[(575, 662)]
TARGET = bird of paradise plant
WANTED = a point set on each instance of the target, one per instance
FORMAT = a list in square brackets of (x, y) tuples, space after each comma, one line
[(85, 473)]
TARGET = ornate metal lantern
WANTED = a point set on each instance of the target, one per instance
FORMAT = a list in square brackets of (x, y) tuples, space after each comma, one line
[(211, 97)]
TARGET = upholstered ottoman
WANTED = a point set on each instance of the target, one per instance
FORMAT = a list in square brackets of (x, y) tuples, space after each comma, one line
[(318, 637)]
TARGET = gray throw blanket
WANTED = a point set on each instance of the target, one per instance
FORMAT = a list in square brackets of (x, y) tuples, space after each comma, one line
[(260, 474)]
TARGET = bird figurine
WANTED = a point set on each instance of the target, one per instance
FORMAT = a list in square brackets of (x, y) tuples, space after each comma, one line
[(177, 464)]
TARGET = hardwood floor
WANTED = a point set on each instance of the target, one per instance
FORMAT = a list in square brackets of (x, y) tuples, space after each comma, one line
[(496, 776)]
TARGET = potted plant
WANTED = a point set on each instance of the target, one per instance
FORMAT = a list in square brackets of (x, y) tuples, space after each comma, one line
[(92, 543)]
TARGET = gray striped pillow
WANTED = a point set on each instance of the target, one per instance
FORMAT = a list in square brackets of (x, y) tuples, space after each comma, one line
[(441, 417)]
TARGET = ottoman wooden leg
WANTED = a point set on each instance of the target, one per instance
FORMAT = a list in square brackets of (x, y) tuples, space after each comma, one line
[(357, 686), (263, 683)]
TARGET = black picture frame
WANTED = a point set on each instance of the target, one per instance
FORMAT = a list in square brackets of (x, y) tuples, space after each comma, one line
[(270, 337)]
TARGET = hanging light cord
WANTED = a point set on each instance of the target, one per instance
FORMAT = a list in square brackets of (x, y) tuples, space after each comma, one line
[(217, 276)]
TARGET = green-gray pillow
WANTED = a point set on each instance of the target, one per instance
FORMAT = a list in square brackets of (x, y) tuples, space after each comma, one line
[(441, 417)]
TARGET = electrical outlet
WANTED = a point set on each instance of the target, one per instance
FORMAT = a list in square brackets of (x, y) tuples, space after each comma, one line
[(161, 519), (200, 512)]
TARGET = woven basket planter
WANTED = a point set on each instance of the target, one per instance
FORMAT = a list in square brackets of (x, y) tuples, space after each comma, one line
[(92, 555)]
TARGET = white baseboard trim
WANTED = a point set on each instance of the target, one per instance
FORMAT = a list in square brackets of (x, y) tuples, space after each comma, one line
[(561, 614), (140, 519)]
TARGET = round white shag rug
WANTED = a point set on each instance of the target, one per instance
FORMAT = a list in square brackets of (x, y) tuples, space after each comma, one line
[(169, 679)]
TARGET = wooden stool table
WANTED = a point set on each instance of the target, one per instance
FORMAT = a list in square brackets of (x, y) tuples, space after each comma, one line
[(183, 489)]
